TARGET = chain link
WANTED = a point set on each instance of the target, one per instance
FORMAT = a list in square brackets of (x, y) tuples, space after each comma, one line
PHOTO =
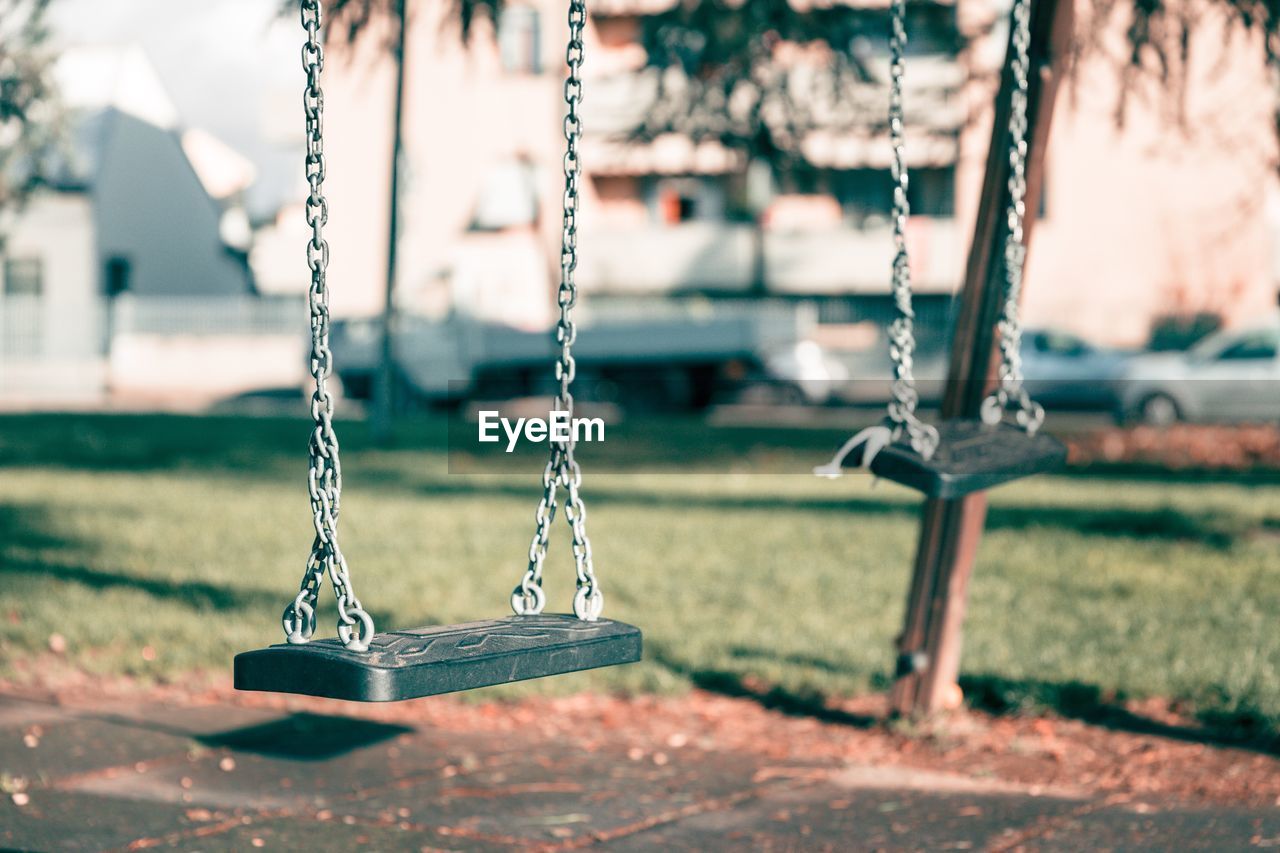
[(902, 342), (1011, 395), (324, 477), (562, 468)]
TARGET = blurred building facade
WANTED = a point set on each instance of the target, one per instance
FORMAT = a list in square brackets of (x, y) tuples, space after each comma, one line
[(138, 270), (128, 268), (1156, 217)]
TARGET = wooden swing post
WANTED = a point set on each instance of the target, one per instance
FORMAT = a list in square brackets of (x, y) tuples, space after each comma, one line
[(950, 530)]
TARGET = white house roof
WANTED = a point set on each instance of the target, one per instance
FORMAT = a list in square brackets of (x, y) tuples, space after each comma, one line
[(223, 170)]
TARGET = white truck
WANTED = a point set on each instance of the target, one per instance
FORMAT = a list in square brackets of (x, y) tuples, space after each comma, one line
[(669, 355)]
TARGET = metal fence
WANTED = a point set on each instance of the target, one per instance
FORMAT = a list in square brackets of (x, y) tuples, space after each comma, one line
[(34, 329), (21, 327), (208, 315)]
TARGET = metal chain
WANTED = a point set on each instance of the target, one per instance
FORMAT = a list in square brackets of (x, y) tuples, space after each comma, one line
[(1011, 395), (902, 343), (324, 478), (562, 468)]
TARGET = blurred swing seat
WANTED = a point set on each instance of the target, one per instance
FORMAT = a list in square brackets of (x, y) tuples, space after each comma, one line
[(972, 456)]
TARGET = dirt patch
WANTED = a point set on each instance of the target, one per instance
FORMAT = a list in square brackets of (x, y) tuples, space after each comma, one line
[(1182, 446)]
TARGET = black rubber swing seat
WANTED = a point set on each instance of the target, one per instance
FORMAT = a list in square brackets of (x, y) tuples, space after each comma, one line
[(971, 456), (442, 659)]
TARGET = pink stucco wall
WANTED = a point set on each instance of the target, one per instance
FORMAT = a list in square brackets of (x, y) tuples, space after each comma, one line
[(1141, 220)]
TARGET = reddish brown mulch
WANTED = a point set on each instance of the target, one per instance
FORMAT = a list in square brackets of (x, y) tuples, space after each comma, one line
[(1234, 448), (1046, 754)]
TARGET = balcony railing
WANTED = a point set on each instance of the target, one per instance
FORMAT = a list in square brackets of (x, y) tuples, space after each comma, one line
[(721, 257)]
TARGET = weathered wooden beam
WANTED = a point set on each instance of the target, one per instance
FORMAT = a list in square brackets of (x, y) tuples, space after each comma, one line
[(950, 530)]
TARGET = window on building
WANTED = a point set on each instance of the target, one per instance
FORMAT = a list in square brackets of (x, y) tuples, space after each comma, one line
[(932, 27), (508, 198), (803, 179), (687, 199), (23, 277), (519, 40), (932, 191), (865, 195), (117, 276)]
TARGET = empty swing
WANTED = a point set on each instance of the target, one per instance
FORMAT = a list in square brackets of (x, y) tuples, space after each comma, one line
[(957, 456), (366, 666)]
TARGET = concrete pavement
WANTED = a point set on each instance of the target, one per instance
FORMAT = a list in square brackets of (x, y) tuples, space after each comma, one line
[(133, 775)]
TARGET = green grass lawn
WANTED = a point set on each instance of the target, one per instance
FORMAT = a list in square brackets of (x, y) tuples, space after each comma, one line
[(188, 535)]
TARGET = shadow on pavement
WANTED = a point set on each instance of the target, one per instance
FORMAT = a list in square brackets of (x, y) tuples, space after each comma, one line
[(306, 737), (1089, 703), (792, 703)]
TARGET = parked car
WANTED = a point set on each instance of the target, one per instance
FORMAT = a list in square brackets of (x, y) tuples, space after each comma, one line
[(1062, 371), (1231, 376)]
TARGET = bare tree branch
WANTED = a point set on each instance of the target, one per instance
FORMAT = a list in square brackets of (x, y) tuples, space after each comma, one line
[(759, 77), (1159, 37)]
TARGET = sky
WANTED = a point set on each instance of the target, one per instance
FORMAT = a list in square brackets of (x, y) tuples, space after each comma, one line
[(232, 67)]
